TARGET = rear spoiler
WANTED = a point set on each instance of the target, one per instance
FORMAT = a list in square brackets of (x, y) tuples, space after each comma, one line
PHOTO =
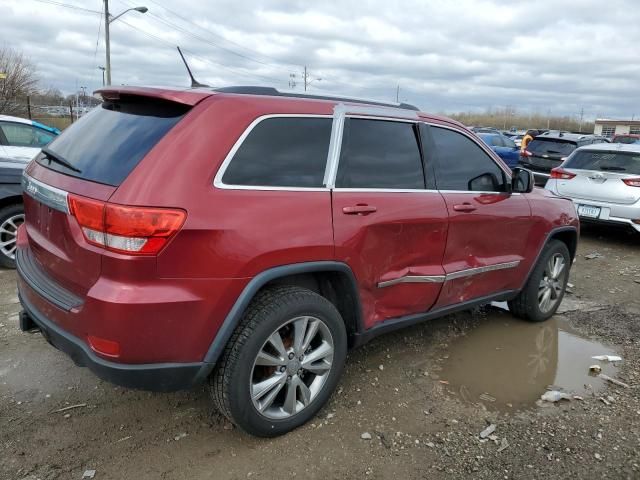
[(185, 97)]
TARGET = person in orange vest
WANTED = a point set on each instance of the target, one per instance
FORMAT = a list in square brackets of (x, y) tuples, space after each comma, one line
[(530, 135)]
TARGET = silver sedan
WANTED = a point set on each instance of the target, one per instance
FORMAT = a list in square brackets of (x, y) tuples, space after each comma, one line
[(603, 180)]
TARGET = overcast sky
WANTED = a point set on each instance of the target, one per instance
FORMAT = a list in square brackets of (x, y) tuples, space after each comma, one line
[(544, 55)]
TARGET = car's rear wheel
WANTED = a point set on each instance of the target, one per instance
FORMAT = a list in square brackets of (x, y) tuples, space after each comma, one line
[(544, 290), (11, 217), (282, 363)]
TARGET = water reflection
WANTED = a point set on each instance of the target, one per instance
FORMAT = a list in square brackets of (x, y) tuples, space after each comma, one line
[(506, 363)]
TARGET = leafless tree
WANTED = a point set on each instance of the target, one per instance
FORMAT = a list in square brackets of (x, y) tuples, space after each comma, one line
[(20, 80)]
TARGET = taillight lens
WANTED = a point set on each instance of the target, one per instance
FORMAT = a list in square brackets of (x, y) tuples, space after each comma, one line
[(561, 174), (632, 182), (126, 229), (525, 153)]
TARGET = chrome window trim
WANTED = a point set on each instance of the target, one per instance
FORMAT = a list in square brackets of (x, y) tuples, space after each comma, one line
[(468, 272), (50, 196), (384, 190), (484, 148), (217, 181)]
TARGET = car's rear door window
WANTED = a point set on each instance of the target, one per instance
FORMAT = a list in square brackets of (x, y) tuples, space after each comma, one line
[(282, 152), (462, 165), (544, 146), (380, 154), (619, 162), (22, 135), (106, 144)]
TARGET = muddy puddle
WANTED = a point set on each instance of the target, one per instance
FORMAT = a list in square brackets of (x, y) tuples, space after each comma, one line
[(507, 364)]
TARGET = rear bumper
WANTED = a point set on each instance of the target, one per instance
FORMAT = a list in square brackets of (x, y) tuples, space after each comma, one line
[(160, 377), (610, 213)]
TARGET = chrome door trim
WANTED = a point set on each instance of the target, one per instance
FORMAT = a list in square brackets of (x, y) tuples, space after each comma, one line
[(50, 196), (478, 270), (413, 279), (468, 272)]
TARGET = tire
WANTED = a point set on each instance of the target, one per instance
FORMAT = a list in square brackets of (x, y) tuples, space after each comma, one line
[(11, 217), (240, 374), (529, 304)]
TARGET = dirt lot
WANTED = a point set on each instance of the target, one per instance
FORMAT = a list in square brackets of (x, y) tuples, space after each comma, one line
[(422, 394)]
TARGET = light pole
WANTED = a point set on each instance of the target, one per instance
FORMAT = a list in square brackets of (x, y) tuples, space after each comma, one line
[(108, 19), (103, 69)]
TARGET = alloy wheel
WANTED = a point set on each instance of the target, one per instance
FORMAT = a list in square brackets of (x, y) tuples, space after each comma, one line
[(552, 283), (291, 367), (9, 235)]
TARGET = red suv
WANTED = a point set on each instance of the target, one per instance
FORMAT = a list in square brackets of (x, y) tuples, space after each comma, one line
[(248, 238)]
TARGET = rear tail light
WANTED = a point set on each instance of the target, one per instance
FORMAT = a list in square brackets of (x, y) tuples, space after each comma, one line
[(125, 229), (632, 182), (525, 153), (561, 174)]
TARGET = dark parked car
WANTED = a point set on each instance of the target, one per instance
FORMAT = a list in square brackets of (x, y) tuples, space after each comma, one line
[(11, 208), (548, 150), (626, 138), (294, 228), (505, 147)]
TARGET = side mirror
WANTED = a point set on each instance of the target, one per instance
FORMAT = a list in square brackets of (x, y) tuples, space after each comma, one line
[(522, 180)]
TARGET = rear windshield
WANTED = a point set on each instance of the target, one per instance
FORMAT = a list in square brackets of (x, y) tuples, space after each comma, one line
[(623, 162), (106, 144), (549, 146)]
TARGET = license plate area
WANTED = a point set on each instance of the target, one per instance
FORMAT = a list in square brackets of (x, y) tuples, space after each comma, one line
[(588, 211)]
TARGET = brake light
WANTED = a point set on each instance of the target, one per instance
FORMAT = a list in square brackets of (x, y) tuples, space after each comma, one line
[(525, 153), (126, 229), (561, 174), (632, 182)]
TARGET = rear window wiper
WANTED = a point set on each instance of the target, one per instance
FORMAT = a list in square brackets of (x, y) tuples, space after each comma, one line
[(54, 157), (612, 168)]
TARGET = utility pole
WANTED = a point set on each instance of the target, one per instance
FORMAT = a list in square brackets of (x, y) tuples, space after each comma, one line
[(398, 94), (581, 117), (306, 80), (107, 42)]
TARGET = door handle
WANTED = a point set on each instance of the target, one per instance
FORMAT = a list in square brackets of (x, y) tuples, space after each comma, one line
[(465, 207), (359, 209)]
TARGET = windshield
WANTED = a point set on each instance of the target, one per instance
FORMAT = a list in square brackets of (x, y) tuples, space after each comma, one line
[(106, 144), (626, 139), (622, 162)]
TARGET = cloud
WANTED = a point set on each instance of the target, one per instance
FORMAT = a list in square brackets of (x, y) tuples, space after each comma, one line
[(561, 55)]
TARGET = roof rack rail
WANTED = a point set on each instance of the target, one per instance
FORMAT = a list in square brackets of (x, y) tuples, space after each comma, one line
[(273, 92)]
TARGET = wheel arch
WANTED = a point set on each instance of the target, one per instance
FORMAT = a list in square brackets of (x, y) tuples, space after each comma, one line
[(567, 235), (323, 277)]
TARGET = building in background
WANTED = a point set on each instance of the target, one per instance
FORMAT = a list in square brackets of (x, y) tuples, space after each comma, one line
[(609, 128)]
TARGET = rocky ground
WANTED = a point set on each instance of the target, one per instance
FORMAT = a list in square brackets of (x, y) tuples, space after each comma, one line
[(411, 404)]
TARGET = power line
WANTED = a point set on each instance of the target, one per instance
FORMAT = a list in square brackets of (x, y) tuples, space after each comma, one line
[(186, 20), (204, 59), (95, 52), (205, 40), (68, 5)]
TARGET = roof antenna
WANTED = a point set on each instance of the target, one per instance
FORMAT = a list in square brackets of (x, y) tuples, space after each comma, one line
[(194, 82)]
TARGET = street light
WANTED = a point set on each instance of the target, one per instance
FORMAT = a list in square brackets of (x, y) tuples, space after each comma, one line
[(108, 19), (103, 69)]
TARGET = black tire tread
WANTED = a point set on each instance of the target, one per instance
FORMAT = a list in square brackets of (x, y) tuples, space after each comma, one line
[(521, 306)]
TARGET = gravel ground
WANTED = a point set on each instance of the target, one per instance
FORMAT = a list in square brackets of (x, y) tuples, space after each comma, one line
[(410, 394)]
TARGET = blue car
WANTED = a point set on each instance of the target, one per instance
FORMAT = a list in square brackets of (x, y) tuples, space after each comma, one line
[(506, 148)]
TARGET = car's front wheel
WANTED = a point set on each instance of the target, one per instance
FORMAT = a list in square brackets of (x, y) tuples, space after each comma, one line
[(11, 217), (282, 363), (543, 293)]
